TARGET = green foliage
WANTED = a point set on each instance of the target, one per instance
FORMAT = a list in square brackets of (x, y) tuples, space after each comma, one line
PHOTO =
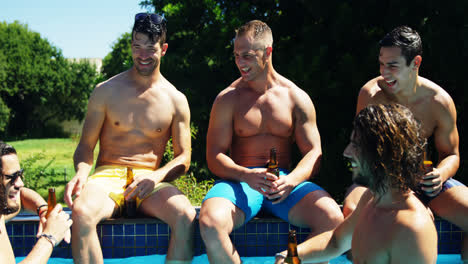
[(120, 58), (329, 49), (194, 190), (39, 85)]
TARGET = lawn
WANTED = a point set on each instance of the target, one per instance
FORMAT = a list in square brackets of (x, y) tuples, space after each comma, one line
[(49, 163)]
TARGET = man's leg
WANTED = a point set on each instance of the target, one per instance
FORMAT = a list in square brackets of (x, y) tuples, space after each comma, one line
[(92, 206), (218, 218), (352, 197), (173, 207), (318, 211), (452, 205)]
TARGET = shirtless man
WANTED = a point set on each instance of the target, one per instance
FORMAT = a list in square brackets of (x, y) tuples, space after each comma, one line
[(133, 115), (400, 59), (259, 111), (390, 224), (12, 196)]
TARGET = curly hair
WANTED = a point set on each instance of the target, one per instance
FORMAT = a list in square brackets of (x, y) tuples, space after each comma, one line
[(392, 147), (5, 149)]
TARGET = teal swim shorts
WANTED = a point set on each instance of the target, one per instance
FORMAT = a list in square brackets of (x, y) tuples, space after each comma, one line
[(251, 201)]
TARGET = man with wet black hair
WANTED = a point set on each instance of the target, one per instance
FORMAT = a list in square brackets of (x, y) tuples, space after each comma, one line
[(400, 58), (133, 115), (390, 224), (13, 196)]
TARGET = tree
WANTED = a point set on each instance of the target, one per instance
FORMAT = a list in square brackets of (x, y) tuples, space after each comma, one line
[(120, 58), (40, 85), (329, 49)]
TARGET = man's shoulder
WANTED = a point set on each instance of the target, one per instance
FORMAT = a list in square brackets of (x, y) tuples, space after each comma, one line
[(372, 86), (113, 82), (439, 94)]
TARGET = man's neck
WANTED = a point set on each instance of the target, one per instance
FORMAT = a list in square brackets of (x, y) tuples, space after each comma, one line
[(264, 82), (146, 81), (393, 198)]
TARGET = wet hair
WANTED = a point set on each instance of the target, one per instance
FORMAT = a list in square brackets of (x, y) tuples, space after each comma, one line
[(259, 30), (392, 147), (5, 149), (156, 32), (405, 38)]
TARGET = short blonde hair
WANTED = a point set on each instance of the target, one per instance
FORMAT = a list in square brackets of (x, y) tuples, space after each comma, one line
[(259, 30)]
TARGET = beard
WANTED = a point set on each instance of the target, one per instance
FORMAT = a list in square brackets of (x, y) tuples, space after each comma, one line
[(146, 71), (362, 180), (4, 208)]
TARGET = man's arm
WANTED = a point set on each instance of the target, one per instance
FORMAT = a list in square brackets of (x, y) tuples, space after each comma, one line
[(83, 157), (307, 138), (446, 142), (181, 143), (339, 239)]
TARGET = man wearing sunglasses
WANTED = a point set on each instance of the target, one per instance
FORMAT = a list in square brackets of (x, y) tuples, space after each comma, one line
[(12, 196), (133, 115)]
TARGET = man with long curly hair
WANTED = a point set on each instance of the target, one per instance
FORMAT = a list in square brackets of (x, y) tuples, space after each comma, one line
[(390, 225)]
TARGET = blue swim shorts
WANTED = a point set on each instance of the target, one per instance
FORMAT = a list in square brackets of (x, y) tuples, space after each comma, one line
[(447, 185), (251, 201)]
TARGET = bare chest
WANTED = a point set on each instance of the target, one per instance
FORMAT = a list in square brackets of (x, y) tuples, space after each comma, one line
[(148, 114), (422, 109), (270, 116)]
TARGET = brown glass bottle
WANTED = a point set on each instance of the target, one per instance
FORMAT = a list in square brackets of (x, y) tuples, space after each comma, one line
[(272, 166), (130, 205), (292, 257), (51, 201), (273, 163)]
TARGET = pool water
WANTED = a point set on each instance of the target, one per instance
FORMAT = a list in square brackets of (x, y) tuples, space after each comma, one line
[(203, 259)]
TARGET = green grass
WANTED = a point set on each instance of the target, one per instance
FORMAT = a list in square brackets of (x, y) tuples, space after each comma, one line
[(47, 163), (47, 160)]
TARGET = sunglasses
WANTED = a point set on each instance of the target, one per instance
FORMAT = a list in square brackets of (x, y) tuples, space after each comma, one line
[(156, 19), (13, 177)]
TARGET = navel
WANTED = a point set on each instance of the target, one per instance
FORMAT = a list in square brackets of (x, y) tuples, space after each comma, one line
[(159, 130), (116, 123)]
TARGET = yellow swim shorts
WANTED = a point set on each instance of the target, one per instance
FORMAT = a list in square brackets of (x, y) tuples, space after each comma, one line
[(112, 180)]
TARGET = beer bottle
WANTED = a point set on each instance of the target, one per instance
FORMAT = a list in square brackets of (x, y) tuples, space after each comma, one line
[(292, 257), (51, 201), (272, 166), (130, 205), (427, 164), (273, 163)]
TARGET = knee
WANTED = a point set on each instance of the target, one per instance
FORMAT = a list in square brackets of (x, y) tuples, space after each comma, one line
[(82, 214), (209, 221), (185, 219)]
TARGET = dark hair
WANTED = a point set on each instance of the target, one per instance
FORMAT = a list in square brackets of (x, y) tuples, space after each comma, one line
[(156, 32), (405, 38), (391, 145), (5, 149)]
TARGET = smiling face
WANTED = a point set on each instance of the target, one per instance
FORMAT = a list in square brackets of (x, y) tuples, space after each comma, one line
[(250, 57), (397, 74), (10, 186), (146, 53), (353, 153)]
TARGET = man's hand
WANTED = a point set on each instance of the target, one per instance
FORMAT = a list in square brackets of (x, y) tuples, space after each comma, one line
[(141, 186), (281, 188), (74, 188), (260, 180), (58, 224), (431, 183)]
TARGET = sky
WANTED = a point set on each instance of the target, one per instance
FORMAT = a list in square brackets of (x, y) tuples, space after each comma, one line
[(80, 28)]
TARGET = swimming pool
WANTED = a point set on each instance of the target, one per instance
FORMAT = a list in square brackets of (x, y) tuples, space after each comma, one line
[(125, 238), (203, 259)]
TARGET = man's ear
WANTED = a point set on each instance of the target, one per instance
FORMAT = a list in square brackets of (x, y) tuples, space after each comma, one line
[(417, 62), (268, 51), (164, 49)]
